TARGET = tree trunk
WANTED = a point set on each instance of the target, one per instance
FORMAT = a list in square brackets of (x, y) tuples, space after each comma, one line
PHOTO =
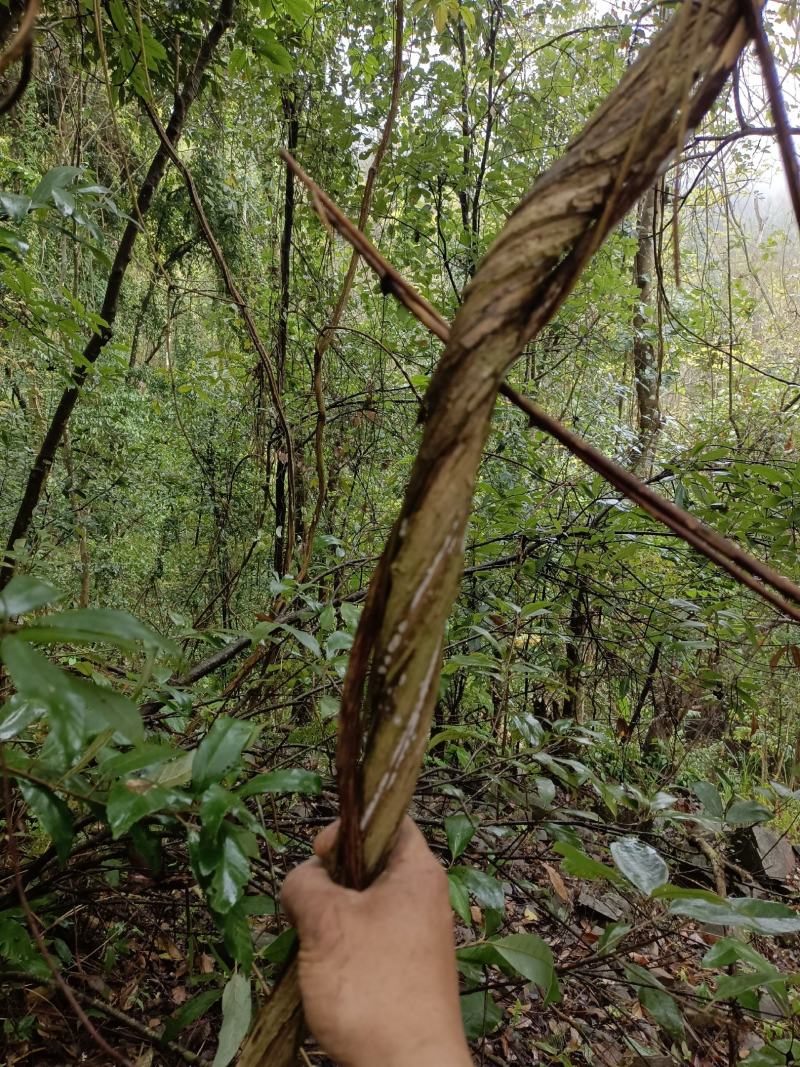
[(646, 369)]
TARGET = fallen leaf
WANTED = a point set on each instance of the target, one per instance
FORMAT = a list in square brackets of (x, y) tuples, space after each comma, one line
[(557, 882)]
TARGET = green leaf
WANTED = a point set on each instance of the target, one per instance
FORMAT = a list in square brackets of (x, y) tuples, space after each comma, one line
[(580, 865), (236, 934), (275, 54), (299, 11), (747, 813), (306, 640), (285, 780), (126, 806), (640, 863), (16, 207), (53, 814), (146, 755), (760, 916), (189, 1012), (459, 899), (43, 685), (528, 955), (57, 178), (709, 797), (278, 950), (487, 890), (350, 614), (460, 830), (338, 641), (480, 1015), (258, 904), (16, 714), (89, 625), (219, 750), (215, 804), (730, 950), (23, 594), (113, 709), (231, 875), (611, 937), (657, 1000), (237, 1008), (731, 986)]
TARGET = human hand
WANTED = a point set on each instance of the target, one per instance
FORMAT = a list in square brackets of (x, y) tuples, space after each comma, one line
[(377, 968)]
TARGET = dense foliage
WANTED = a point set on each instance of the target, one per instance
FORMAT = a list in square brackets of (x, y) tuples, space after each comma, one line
[(190, 578)]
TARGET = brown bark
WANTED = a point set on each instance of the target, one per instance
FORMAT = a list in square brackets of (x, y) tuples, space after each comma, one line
[(40, 472), (524, 278)]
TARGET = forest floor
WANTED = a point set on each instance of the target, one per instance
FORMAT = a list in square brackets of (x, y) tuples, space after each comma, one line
[(137, 947)]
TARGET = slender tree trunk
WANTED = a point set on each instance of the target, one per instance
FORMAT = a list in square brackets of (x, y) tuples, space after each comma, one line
[(40, 472), (284, 495), (646, 369)]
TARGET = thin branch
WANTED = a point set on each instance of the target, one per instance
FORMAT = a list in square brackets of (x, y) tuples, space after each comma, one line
[(755, 25), (722, 552)]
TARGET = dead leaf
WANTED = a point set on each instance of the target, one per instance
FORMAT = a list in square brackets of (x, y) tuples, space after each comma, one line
[(557, 882), (179, 995)]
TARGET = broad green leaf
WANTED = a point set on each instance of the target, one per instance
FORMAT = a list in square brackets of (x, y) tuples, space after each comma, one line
[(459, 899), (657, 1000), (231, 875), (350, 614), (730, 950), (215, 804), (89, 625), (580, 865), (285, 780), (16, 714), (338, 641), (258, 905), (23, 594), (236, 934), (278, 950), (128, 802), (487, 890), (44, 686), (611, 937), (114, 709), (709, 797), (731, 986), (460, 830), (640, 863), (480, 1015), (53, 814), (761, 916), (16, 207), (219, 750), (747, 813), (529, 956), (189, 1012), (306, 640), (237, 1008), (146, 755), (56, 178)]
